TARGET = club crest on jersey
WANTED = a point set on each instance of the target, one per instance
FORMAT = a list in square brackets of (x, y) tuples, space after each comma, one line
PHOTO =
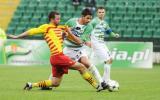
[(103, 24), (77, 31)]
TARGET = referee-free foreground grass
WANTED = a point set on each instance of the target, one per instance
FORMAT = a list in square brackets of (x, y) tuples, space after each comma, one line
[(135, 84)]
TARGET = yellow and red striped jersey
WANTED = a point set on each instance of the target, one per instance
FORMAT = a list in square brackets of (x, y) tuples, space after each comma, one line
[(53, 36)]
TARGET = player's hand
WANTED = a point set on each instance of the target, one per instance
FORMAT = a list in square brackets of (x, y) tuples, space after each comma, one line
[(116, 35), (12, 36)]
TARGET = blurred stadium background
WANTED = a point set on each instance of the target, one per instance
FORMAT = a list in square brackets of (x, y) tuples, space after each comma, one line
[(137, 20), (134, 20)]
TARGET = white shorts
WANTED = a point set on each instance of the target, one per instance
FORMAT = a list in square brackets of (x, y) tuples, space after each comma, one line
[(100, 49), (75, 53)]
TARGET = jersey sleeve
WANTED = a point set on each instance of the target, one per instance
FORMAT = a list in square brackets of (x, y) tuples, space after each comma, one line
[(87, 32), (108, 30), (39, 30), (93, 23)]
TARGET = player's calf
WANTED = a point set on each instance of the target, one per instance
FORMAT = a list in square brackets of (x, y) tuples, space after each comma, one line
[(41, 84)]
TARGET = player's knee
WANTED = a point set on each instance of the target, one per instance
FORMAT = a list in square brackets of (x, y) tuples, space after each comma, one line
[(55, 83), (86, 65), (81, 69)]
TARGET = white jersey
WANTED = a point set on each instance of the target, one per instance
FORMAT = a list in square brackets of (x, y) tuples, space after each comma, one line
[(71, 49), (97, 39)]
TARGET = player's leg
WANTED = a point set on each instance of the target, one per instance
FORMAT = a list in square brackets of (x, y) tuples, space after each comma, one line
[(102, 85), (83, 71), (55, 82), (79, 54), (57, 72), (92, 68), (102, 52), (48, 88), (107, 64), (107, 70), (68, 52)]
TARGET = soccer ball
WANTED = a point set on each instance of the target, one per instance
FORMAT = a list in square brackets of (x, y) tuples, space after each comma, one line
[(113, 86)]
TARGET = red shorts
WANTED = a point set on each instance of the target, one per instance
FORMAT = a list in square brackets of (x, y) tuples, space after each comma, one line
[(60, 64)]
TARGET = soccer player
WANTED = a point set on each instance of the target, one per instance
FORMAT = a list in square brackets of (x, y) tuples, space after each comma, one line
[(81, 28), (53, 35), (101, 28)]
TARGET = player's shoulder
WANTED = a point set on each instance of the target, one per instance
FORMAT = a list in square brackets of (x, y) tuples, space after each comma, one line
[(89, 25), (72, 19), (71, 22), (45, 25), (96, 19)]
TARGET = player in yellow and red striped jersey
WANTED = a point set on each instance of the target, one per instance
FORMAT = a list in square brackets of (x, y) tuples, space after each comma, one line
[(53, 34)]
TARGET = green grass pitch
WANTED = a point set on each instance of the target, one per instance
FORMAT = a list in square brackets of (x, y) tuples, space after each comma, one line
[(135, 84)]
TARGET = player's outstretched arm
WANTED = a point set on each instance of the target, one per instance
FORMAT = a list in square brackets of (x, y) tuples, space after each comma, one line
[(32, 31), (18, 36)]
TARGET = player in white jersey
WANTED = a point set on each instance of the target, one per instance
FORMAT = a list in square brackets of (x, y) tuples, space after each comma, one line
[(81, 28), (99, 47)]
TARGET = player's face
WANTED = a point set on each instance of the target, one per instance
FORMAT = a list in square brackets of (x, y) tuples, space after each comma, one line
[(87, 19), (101, 13), (56, 20)]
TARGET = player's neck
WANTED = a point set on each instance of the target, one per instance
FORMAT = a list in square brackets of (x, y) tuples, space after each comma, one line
[(53, 24), (101, 18), (80, 21)]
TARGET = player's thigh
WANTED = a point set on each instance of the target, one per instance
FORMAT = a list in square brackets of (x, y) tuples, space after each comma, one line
[(85, 61), (78, 66), (102, 52)]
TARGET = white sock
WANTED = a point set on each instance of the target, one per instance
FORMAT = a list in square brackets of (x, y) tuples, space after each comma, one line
[(50, 77), (106, 73), (95, 73)]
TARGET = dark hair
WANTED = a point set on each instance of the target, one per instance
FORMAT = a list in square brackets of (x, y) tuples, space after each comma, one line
[(100, 8), (52, 15), (86, 12)]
